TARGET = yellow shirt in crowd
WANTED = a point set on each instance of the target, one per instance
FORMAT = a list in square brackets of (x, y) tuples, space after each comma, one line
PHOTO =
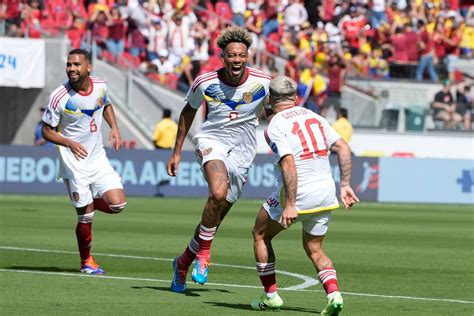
[(344, 128), (165, 133)]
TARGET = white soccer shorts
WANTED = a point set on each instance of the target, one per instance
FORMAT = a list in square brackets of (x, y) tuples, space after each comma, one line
[(82, 190), (314, 204), (237, 176)]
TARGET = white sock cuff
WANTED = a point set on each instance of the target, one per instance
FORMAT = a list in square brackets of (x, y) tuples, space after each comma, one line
[(265, 268), (206, 233), (193, 245), (86, 218)]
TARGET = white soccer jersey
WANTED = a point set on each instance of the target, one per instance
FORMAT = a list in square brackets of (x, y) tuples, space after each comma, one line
[(79, 117), (308, 137), (231, 111)]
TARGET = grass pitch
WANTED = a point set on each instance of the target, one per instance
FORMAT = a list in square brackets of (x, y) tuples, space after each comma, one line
[(391, 259)]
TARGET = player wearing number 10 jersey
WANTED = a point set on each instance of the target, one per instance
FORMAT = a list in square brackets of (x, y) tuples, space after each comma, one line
[(73, 121), (301, 141), (234, 96)]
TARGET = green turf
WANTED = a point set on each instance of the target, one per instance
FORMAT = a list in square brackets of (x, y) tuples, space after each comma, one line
[(411, 258)]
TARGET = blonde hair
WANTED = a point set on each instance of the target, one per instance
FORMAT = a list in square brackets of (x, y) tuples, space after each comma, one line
[(234, 34), (282, 88)]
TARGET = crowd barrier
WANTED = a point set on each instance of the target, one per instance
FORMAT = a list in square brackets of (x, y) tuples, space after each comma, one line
[(26, 169)]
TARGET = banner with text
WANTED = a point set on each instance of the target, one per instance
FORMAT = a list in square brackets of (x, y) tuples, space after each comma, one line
[(22, 62), (25, 169)]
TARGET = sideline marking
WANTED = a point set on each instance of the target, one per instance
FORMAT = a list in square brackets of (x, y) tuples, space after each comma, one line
[(308, 281), (215, 284)]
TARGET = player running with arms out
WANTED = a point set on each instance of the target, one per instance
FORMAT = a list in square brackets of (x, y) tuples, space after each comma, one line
[(306, 192), (226, 145), (73, 121)]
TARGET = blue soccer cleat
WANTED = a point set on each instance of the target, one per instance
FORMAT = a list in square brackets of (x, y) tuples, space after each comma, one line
[(201, 268), (178, 284), (91, 267)]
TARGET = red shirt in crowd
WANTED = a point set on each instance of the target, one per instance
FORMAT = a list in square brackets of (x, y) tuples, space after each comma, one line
[(412, 47), (399, 43), (117, 29), (13, 10), (425, 37)]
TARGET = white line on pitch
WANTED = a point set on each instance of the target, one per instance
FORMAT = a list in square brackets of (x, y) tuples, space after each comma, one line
[(215, 284), (308, 281), (231, 285)]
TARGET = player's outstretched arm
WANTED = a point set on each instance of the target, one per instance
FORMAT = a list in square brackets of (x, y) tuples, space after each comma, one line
[(290, 182), (114, 138), (50, 134), (343, 151), (186, 118)]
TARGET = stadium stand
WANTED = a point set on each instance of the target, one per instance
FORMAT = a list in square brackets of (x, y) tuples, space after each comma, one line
[(170, 42)]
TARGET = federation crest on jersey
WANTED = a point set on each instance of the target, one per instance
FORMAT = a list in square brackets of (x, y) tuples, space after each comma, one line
[(247, 97)]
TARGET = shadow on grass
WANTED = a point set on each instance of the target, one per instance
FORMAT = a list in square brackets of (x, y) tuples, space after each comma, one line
[(188, 292), (247, 307), (43, 269)]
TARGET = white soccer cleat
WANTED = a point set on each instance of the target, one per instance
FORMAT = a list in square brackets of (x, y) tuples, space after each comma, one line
[(334, 305)]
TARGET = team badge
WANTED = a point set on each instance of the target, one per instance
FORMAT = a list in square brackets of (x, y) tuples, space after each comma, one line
[(248, 97), (100, 102)]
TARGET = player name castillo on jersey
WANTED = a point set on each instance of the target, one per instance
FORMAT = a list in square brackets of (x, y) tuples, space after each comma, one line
[(78, 116), (231, 111)]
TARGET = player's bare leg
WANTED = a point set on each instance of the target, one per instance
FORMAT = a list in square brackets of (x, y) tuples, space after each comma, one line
[(111, 202), (313, 246), (216, 205), (85, 217), (215, 210), (264, 230)]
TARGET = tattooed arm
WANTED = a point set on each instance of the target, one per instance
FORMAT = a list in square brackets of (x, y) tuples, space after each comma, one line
[(341, 148), (290, 182)]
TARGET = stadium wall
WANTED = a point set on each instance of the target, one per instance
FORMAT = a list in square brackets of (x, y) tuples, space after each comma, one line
[(26, 169)]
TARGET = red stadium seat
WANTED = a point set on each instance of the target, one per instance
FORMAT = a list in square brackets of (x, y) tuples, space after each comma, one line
[(126, 58), (108, 56)]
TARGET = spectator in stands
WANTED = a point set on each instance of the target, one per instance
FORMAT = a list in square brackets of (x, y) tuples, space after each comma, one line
[(32, 18), (294, 15), (116, 34), (162, 63), (378, 14), (76, 32), (351, 26), (39, 140), (452, 39), (164, 135), (467, 37), (270, 23), (10, 13), (336, 73), (444, 107), (158, 38), (312, 89), (411, 40), (238, 10), (342, 125), (426, 54), (98, 23), (464, 104), (137, 39), (179, 39)]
